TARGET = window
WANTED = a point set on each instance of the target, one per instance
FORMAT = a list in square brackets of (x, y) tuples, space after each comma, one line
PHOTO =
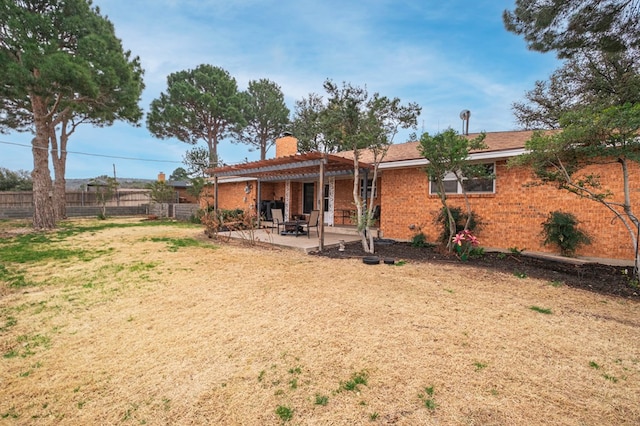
[(369, 186), (473, 186)]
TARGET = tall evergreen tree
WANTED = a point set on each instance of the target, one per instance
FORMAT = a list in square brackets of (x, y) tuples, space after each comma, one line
[(570, 26), (202, 104), (61, 65), (265, 114)]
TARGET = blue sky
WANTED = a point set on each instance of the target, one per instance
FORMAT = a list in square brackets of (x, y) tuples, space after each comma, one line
[(444, 55)]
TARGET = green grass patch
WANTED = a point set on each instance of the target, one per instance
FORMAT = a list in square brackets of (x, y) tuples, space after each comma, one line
[(143, 266), (10, 414), (427, 398), (177, 243), (8, 323), (28, 253), (285, 413), (541, 310), (71, 228), (13, 279), (295, 370), (321, 399), (356, 380), (479, 365), (37, 246), (27, 345)]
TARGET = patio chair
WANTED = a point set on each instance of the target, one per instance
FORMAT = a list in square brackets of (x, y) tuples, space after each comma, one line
[(277, 219), (312, 222)]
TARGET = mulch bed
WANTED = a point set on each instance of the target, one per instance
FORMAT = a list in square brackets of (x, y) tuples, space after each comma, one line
[(596, 277)]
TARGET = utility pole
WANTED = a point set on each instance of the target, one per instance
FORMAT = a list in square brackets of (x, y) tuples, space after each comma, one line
[(115, 181)]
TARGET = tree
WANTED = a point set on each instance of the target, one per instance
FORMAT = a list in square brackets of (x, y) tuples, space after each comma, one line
[(594, 98), (355, 121), (309, 123), (197, 162), (587, 78), (179, 174), (200, 104), (591, 135), (448, 152), (106, 188), (569, 26), (19, 180), (161, 193), (61, 65), (266, 115)]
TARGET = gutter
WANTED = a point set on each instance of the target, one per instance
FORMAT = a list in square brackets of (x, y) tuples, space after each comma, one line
[(476, 156)]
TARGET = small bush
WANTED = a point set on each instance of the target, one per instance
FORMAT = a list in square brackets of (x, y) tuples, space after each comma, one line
[(561, 229), (460, 219), (419, 240)]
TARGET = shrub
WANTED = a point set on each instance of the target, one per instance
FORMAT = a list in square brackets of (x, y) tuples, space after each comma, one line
[(460, 219), (419, 240), (561, 229)]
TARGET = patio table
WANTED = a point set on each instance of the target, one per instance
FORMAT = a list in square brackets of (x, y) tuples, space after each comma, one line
[(293, 227)]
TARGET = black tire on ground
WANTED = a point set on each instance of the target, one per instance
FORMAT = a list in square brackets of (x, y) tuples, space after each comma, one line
[(371, 260), (389, 261)]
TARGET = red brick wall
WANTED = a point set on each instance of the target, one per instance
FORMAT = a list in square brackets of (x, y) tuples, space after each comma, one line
[(512, 216), (272, 191), (233, 196), (344, 198)]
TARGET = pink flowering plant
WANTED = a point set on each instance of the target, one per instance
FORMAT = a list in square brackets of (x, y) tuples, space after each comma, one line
[(464, 243)]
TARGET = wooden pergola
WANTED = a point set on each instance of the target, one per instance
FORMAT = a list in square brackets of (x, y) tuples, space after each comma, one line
[(310, 166)]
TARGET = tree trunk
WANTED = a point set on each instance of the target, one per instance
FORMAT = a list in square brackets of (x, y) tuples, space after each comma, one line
[(44, 216), (59, 160), (450, 219), (362, 228), (263, 147), (630, 214)]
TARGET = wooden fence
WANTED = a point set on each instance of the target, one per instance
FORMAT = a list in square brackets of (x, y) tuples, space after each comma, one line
[(122, 198), (19, 205)]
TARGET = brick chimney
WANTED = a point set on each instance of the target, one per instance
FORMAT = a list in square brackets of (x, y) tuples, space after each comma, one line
[(286, 145), (161, 177)]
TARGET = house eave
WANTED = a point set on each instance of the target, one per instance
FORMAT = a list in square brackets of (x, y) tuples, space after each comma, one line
[(476, 156)]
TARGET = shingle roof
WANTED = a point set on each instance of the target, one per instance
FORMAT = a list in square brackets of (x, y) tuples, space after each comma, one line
[(495, 141)]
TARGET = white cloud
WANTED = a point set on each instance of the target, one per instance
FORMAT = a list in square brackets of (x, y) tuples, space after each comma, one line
[(446, 56)]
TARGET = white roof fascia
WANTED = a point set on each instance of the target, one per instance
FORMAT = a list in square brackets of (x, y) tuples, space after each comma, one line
[(494, 155), (232, 179), (487, 155)]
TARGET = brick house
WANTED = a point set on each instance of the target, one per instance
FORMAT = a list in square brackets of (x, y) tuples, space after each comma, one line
[(510, 209)]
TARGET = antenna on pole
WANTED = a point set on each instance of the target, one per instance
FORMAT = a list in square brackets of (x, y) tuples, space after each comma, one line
[(464, 115)]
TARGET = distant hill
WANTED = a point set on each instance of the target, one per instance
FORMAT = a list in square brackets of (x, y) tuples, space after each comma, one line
[(79, 184)]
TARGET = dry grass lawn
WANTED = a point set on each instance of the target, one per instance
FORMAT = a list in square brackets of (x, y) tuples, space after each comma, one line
[(150, 331)]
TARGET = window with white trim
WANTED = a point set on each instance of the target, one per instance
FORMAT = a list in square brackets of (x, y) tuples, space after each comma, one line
[(485, 185)]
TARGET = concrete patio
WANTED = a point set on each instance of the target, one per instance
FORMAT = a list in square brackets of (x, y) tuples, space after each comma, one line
[(332, 237)]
